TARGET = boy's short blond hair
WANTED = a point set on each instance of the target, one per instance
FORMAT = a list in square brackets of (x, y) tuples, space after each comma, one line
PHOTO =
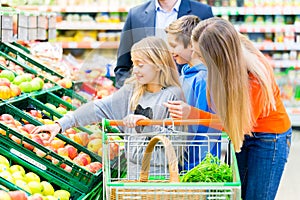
[(183, 27)]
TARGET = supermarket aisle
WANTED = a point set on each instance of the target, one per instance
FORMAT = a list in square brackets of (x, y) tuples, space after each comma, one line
[(289, 186)]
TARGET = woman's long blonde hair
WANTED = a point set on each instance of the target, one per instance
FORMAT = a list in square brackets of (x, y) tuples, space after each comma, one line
[(154, 50), (230, 58)]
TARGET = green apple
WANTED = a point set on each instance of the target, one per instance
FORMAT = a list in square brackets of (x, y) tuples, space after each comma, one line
[(51, 197), (27, 77), (15, 168), (4, 168), (18, 175), (35, 85), (35, 187), (23, 185), (4, 161), (47, 188), (51, 106), (30, 176), (7, 176), (19, 79), (7, 74), (25, 87), (61, 110), (39, 80), (62, 194)]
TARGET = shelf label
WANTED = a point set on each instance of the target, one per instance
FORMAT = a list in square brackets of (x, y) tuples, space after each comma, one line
[(28, 159)]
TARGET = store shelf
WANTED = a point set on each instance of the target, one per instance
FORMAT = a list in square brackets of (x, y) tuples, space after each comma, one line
[(76, 9), (79, 25), (266, 28), (285, 63), (90, 45), (276, 10), (277, 46)]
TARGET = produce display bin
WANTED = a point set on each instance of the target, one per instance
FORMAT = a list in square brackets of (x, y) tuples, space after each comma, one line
[(16, 156), (71, 93), (25, 67), (10, 186), (14, 51), (49, 97), (146, 176), (79, 177)]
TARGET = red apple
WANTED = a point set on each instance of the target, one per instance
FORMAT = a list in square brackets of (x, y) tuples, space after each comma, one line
[(4, 82), (72, 151), (7, 118), (88, 158), (94, 166), (70, 131), (28, 127), (95, 136), (62, 151), (83, 137), (67, 99), (14, 90), (17, 195), (35, 113), (57, 143)]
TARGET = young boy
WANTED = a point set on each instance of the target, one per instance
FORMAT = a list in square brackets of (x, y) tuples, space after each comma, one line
[(193, 81)]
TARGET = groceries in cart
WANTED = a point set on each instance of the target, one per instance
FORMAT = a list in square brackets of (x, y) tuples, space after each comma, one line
[(158, 165)]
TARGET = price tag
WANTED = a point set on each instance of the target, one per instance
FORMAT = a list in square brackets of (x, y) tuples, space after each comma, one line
[(28, 159)]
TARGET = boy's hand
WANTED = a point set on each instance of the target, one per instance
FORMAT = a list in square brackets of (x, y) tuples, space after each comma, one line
[(178, 109)]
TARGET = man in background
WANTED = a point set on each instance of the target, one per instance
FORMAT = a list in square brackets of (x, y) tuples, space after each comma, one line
[(148, 19)]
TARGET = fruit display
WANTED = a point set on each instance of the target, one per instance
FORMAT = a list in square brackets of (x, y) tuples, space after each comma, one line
[(66, 160), (32, 186), (11, 55)]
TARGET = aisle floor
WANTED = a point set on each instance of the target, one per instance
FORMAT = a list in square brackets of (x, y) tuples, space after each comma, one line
[(289, 188)]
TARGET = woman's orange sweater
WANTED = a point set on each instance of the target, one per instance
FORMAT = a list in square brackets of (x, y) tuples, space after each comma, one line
[(276, 122)]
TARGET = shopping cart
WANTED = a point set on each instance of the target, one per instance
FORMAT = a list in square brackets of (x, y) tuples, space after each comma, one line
[(133, 168)]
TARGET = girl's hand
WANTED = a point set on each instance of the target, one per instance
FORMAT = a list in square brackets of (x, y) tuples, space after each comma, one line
[(131, 120), (53, 129), (178, 109)]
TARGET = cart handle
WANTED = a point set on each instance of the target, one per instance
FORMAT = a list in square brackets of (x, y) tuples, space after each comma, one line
[(148, 122)]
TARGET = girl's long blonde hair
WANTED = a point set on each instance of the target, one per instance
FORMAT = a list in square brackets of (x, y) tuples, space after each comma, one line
[(230, 58), (155, 51)]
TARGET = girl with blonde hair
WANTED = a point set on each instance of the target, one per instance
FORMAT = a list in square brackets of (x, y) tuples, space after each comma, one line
[(242, 91), (155, 80)]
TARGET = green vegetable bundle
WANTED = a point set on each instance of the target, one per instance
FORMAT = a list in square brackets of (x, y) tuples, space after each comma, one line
[(209, 170)]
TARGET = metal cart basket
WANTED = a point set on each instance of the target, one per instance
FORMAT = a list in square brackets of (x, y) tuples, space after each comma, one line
[(149, 165)]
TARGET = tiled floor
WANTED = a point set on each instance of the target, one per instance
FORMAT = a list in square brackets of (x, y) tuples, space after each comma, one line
[(289, 188)]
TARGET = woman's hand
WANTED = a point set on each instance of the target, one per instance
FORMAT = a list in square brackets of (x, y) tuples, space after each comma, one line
[(53, 129), (131, 120), (178, 109)]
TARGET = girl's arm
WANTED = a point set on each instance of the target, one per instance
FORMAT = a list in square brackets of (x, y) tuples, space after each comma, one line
[(181, 110)]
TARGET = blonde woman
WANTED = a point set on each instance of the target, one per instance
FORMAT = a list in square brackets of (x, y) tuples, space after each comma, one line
[(154, 81), (241, 89)]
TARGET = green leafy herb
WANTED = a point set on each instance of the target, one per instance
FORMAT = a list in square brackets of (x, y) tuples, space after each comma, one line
[(209, 170)]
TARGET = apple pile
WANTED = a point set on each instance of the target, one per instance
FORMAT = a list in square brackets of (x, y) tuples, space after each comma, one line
[(75, 102), (58, 146), (64, 82), (28, 181)]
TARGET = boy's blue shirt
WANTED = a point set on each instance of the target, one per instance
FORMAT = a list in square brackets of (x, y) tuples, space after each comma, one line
[(193, 82)]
